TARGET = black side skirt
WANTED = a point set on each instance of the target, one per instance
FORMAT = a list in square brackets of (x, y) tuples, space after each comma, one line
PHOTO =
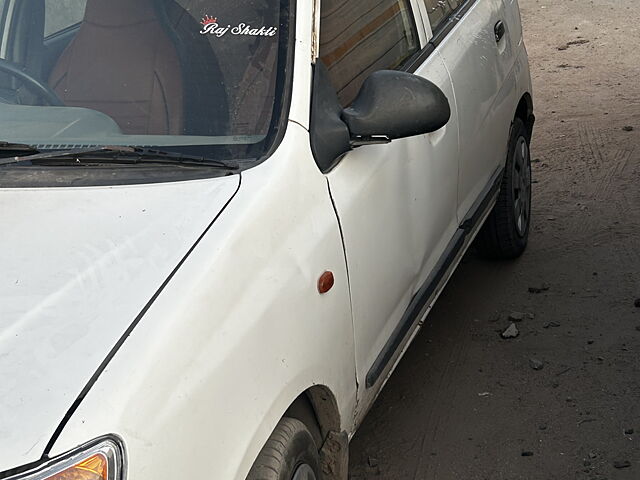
[(430, 286)]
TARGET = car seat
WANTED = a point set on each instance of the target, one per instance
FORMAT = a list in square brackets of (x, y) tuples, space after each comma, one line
[(137, 62)]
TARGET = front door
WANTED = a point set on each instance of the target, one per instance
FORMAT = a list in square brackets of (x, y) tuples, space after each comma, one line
[(396, 203)]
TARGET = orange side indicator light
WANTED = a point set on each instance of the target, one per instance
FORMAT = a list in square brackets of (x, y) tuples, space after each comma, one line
[(325, 282)]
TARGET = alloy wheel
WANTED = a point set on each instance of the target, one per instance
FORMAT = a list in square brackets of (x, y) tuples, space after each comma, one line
[(521, 185)]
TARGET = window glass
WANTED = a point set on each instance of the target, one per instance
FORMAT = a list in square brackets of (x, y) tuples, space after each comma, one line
[(359, 37), (440, 10), (60, 14), (154, 73)]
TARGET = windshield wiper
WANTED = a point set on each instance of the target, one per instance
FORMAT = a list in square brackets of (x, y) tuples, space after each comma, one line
[(116, 154), (8, 149)]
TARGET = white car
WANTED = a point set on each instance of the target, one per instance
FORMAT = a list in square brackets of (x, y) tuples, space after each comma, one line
[(224, 222)]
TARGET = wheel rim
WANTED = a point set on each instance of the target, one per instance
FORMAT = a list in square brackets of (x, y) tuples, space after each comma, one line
[(521, 185), (304, 472)]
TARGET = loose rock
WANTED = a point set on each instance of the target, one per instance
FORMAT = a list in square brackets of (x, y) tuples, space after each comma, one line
[(511, 332), (516, 316), (540, 289), (621, 464), (551, 325), (627, 128), (536, 364), (637, 303), (581, 41), (527, 454), (628, 431)]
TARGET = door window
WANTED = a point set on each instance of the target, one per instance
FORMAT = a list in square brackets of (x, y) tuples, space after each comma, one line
[(359, 37), (440, 10), (61, 14)]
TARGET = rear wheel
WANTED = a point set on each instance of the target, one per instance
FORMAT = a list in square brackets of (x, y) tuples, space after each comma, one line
[(289, 454), (506, 231)]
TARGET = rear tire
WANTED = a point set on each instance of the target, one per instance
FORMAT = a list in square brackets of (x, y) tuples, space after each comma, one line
[(289, 454), (506, 231)]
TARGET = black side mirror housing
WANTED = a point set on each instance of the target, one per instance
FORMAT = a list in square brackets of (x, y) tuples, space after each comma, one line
[(330, 138), (395, 105), (390, 105)]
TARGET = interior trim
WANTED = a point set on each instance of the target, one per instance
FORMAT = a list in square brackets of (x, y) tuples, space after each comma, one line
[(8, 9)]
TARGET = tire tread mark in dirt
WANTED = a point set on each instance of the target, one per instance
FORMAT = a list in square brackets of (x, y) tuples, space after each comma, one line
[(603, 168), (607, 193), (593, 157), (607, 164)]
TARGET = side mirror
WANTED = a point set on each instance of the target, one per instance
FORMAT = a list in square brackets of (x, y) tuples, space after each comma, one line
[(390, 105), (395, 105)]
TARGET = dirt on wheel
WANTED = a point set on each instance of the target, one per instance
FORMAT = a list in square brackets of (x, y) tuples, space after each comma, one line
[(561, 400)]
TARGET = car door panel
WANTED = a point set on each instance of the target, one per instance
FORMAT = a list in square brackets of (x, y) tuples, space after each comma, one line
[(482, 74), (513, 21), (397, 208)]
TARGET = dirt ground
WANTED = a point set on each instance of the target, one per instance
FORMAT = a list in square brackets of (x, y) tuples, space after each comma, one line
[(467, 404)]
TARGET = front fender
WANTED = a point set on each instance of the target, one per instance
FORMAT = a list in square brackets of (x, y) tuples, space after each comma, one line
[(238, 333)]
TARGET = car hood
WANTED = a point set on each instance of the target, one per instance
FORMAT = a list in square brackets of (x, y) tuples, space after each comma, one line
[(77, 266)]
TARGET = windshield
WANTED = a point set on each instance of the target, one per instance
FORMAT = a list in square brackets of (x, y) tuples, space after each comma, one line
[(196, 76)]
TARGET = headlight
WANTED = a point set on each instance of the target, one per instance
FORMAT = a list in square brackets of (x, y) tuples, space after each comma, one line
[(102, 459)]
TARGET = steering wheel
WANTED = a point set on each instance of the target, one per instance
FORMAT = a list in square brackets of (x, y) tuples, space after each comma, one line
[(42, 89)]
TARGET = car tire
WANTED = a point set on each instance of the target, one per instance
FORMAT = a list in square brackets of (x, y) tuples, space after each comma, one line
[(289, 454), (506, 231)]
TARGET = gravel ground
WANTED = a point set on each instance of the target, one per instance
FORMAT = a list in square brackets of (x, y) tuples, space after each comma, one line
[(561, 400)]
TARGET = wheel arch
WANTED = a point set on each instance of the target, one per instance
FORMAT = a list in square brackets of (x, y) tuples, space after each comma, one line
[(317, 408), (524, 111)]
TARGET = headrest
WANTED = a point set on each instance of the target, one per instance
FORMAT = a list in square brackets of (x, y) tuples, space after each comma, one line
[(112, 13)]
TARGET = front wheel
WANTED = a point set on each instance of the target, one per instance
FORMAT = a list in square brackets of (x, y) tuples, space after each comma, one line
[(506, 231), (289, 454)]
